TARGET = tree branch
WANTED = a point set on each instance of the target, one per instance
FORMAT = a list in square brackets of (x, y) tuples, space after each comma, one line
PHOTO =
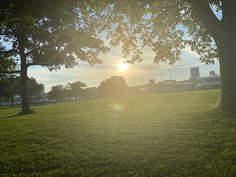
[(31, 64), (30, 52), (4, 34), (9, 72), (8, 51)]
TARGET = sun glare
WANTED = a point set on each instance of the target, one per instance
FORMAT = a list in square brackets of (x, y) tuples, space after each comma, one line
[(123, 67)]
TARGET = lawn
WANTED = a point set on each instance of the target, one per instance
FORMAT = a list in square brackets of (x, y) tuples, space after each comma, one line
[(162, 135)]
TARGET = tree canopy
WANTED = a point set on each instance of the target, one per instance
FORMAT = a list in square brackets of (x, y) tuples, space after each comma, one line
[(76, 89), (167, 27), (114, 86), (70, 91), (57, 92), (50, 33)]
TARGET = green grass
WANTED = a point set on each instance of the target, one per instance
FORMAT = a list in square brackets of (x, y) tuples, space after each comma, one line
[(172, 135)]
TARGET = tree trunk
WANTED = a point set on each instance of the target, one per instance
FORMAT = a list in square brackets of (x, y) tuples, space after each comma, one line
[(12, 100), (228, 77), (25, 105), (226, 43)]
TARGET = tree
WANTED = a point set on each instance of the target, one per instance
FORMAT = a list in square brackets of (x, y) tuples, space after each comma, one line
[(57, 93), (115, 86), (9, 86), (76, 89), (171, 25), (50, 33), (34, 88), (90, 92)]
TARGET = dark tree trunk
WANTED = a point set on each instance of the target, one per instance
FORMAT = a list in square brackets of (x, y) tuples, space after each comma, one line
[(12, 100), (25, 105), (226, 43), (228, 77)]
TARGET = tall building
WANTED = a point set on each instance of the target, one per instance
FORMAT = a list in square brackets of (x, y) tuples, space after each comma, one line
[(194, 72)]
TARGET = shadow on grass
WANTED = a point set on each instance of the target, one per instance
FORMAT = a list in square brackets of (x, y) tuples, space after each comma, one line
[(9, 107), (18, 115), (217, 113)]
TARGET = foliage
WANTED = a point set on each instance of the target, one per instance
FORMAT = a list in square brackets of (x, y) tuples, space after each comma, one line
[(52, 33), (34, 87), (167, 27), (115, 86), (58, 32), (10, 86), (76, 89), (57, 92), (70, 90)]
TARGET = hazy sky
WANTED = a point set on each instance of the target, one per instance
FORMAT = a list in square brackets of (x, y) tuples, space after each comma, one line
[(137, 74)]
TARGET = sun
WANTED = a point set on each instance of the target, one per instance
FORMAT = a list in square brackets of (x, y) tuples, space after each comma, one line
[(123, 67)]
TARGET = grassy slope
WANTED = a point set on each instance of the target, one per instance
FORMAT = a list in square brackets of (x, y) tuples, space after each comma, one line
[(175, 134)]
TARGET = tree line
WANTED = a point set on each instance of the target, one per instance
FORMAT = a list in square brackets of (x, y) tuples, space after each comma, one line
[(114, 86), (72, 91), (10, 87)]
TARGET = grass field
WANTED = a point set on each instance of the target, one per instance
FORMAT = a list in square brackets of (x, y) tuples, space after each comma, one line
[(163, 135)]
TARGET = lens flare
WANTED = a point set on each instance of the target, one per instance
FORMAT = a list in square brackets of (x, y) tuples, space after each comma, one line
[(117, 109)]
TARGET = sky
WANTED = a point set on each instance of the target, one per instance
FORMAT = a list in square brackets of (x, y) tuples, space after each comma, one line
[(136, 74)]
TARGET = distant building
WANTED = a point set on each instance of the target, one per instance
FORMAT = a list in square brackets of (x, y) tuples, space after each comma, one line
[(152, 82), (185, 85), (167, 86), (194, 73), (209, 82), (151, 87), (195, 82)]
